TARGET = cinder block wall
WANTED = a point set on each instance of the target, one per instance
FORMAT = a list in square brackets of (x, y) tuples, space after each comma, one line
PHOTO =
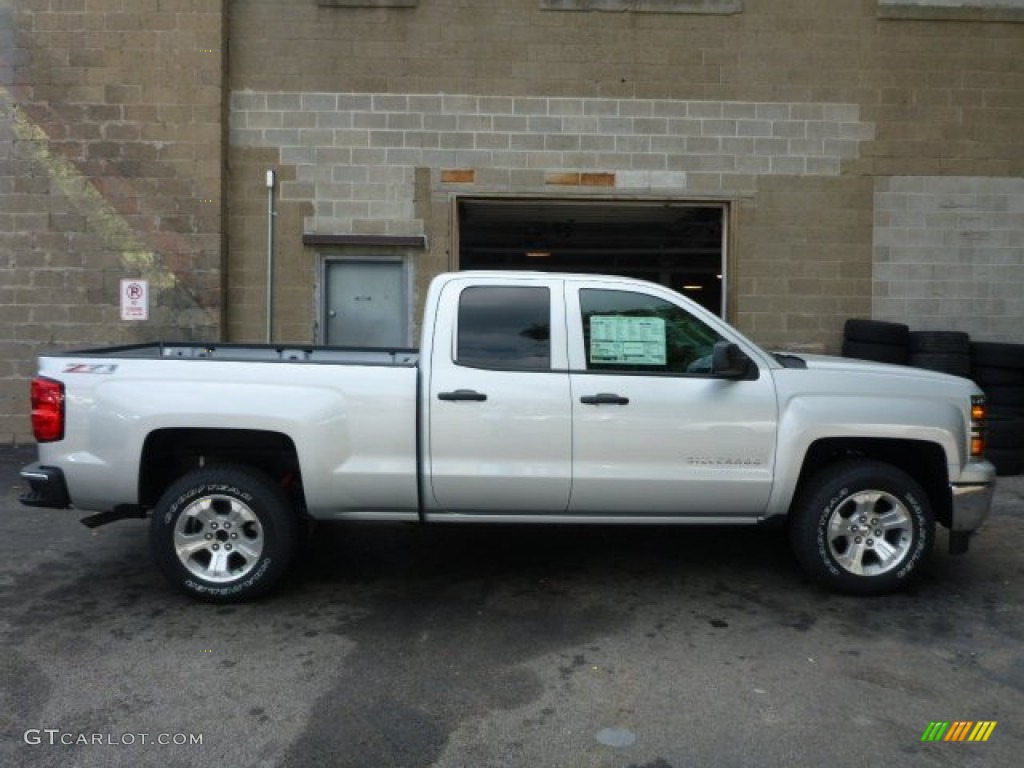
[(789, 112), (949, 254), (809, 119), (804, 260), (111, 167)]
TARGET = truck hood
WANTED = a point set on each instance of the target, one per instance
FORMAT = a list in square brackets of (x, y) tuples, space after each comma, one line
[(858, 368), (826, 363)]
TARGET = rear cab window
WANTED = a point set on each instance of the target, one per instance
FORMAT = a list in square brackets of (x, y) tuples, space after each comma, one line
[(504, 327)]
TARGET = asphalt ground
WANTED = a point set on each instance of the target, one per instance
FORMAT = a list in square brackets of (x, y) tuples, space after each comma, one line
[(504, 647)]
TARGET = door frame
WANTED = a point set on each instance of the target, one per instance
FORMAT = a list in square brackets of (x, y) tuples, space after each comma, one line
[(326, 259)]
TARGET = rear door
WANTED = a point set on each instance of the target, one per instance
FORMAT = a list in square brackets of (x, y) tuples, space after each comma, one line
[(500, 430), (654, 431)]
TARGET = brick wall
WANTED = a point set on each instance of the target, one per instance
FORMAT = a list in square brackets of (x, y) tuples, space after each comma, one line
[(111, 158)]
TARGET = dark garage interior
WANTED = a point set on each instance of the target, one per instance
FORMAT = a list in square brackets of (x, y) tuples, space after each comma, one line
[(678, 245)]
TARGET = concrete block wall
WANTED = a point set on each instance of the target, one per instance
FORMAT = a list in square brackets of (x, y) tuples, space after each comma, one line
[(343, 98), (111, 167), (949, 254), (295, 271), (113, 117), (803, 261), (351, 159), (354, 154)]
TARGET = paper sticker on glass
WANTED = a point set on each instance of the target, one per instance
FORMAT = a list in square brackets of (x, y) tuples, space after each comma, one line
[(627, 340)]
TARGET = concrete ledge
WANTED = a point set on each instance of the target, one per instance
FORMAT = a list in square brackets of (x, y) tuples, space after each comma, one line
[(708, 7), (368, 3), (379, 241), (952, 10)]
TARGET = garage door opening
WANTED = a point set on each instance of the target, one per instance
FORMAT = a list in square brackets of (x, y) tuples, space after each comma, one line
[(678, 245)]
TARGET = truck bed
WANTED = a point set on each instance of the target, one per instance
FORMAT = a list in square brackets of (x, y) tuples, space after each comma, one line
[(288, 353), (349, 417)]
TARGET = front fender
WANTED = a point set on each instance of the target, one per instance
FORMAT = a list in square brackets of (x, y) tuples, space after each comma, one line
[(809, 419)]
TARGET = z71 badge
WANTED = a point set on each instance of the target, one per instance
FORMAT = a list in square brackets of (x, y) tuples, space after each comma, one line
[(104, 370)]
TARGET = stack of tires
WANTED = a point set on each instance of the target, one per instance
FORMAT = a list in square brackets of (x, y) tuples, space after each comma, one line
[(945, 351), (999, 370), (876, 340)]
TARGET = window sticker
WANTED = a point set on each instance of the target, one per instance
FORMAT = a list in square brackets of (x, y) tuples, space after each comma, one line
[(627, 340)]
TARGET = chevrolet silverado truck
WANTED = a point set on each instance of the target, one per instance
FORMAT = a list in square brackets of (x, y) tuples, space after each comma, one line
[(536, 398)]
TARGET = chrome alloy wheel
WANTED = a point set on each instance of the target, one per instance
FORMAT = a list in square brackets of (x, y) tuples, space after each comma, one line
[(870, 533), (218, 538)]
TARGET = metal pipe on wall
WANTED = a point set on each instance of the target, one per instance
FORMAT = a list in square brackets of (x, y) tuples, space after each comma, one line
[(271, 216)]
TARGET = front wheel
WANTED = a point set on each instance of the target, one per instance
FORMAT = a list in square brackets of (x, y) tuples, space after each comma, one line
[(862, 527), (223, 534)]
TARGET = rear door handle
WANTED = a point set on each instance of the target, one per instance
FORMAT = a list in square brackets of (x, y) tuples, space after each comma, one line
[(462, 394), (604, 399)]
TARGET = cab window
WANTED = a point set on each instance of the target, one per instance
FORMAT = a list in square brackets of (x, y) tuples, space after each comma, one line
[(504, 327), (634, 332)]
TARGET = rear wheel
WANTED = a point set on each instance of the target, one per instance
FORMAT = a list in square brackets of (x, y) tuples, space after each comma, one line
[(862, 527), (223, 534)]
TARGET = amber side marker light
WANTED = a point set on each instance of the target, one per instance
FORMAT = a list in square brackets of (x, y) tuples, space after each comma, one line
[(979, 417)]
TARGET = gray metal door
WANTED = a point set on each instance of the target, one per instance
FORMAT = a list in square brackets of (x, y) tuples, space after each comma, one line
[(365, 304)]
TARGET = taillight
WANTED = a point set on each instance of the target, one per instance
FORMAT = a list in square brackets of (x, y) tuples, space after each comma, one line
[(47, 410), (979, 425)]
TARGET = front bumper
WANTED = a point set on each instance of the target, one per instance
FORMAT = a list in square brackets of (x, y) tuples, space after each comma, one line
[(46, 487), (971, 499), (971, 505)]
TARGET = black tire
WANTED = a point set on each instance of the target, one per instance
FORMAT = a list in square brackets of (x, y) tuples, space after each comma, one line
[(956, 342), (876, 332), (986, 375), (944, 362), (1005, 395), (1006, 434), (1007, 462), (1000, 412), (879, 353), (235, 529), (997, 354), (839, 503)]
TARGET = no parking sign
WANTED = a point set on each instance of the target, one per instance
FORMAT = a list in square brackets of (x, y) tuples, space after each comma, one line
[(134, 299)]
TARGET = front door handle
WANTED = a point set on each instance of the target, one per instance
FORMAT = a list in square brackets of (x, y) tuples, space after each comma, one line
[(462, 394), (604, 399)]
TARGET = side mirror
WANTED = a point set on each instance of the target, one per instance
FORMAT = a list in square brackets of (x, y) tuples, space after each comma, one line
[(729, 362)]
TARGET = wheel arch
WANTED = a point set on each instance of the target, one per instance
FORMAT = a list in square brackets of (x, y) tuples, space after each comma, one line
[(167, 454), (922, 460)]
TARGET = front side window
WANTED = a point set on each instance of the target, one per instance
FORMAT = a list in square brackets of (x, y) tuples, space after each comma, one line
[(505, 327), (626, 331)]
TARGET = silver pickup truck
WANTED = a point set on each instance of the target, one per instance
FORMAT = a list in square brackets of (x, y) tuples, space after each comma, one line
[(538, 398)]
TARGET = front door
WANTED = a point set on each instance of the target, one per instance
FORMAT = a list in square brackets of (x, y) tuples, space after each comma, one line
[(654, 432)]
